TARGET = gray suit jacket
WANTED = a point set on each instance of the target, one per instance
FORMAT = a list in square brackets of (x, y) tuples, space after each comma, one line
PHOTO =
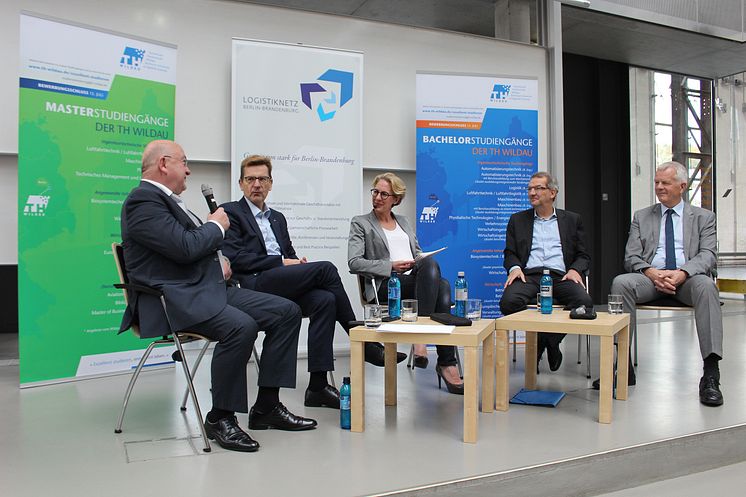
[(368, 249), (700, 240)]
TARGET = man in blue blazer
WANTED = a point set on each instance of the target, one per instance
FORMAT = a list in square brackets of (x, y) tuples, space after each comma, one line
[(263, 259), (672, 251), (168, 248), (545, 238)]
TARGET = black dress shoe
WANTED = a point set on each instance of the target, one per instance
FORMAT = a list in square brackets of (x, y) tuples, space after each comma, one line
[(279, 418), (421, 361), (709, 391), (631, 380), (554, 356), (230, 436), (458, 389), (631, 377), (327, 397), (374, 354)]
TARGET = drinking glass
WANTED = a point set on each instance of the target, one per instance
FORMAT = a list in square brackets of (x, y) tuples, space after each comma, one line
[(372, 316), (474, 309), (615, 304), (409, 310)]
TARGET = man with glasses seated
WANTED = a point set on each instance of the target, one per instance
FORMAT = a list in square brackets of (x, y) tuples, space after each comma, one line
[(539, 238), (263, 258)]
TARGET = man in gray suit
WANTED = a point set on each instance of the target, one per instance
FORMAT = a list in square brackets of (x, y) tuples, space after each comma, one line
[(672, 251)]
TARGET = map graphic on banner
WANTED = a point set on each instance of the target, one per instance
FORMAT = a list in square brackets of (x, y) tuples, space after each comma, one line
[(476, 150), (89, 102), (306, 115)]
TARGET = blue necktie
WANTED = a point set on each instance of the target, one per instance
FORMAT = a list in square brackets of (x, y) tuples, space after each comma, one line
[(670, 250)]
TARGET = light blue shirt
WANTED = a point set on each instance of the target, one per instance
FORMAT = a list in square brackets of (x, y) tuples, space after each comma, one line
[(659, 261), (262, 219), (546, 246)]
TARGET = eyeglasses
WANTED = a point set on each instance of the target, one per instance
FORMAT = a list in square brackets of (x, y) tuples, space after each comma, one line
[(538, 189), (183, 161), (263, 180), (384, 195)]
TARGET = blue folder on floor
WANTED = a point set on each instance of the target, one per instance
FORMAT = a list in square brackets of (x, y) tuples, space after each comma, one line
[(537, 398)]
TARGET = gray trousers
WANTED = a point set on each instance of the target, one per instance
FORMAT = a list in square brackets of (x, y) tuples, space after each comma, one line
[(698, 291)]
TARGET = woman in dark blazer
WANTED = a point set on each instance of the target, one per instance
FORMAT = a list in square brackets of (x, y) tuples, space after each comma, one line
[(381, 242)]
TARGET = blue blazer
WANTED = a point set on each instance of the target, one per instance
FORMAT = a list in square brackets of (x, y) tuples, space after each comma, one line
[(244, 244), (163, 248)]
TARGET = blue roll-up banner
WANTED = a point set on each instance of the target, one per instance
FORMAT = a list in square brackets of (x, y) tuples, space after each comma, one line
[(476, 150)]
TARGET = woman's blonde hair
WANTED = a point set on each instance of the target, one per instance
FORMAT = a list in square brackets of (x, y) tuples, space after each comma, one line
[(397, 185)]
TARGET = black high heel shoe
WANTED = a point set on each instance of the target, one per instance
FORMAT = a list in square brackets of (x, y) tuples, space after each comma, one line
[(452, 388), (421, 361)]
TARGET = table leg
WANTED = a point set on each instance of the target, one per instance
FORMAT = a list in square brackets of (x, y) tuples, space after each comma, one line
[(390, 374), (488, 373), (622, 363), (531, 348), (607, 373), (470, 395), (357, 386), (502, 372)]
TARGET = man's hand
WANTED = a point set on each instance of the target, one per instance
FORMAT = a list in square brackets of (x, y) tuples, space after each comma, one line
[(515, 274), (221, 217), (402, 266), (293, 262), (666, 280), (574, 276), (225, 263)]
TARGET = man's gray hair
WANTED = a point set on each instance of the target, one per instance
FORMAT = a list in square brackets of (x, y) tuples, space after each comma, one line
[(551, 182), (682, 176)]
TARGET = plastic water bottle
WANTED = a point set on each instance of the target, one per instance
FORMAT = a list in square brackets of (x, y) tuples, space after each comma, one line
[(394, 296), (462, 293), (344, 404), (545, 288)]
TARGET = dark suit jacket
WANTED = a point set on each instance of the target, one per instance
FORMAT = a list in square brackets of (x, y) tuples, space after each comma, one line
[(164, 249), (244, 244), (520, 234)]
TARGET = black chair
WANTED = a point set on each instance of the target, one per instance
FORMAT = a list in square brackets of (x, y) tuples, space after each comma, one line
[(170, 338)]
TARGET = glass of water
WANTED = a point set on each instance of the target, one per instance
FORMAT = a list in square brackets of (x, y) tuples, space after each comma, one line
[(615, 304), (409, 310), (372, 316), (474, 309)]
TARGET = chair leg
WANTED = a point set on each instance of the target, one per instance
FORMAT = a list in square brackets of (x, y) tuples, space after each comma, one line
[(194, 372), (579, 342), (588, 356), (410, 360), (257, 358), (514, 345), (190, 386), (331, 379), (458, 364), (133, 379)]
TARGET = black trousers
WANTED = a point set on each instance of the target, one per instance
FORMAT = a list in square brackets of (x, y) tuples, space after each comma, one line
[(433, 294), (318, 290), (236, 328), (519, 294)]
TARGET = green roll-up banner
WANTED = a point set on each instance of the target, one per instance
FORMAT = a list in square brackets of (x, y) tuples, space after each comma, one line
[(89, 102)]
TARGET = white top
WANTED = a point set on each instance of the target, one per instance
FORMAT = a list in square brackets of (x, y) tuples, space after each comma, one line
[(399, 248)]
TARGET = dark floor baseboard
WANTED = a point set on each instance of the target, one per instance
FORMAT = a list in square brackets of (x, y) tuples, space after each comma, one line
[(9, 298)]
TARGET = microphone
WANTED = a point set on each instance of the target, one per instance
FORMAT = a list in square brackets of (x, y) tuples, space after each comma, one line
[(209, 198)]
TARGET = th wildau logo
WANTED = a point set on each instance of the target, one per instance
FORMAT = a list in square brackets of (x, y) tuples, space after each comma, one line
[(132, 58)]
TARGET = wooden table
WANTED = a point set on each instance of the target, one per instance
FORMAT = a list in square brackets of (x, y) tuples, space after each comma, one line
[(532, 321), (481, 332)]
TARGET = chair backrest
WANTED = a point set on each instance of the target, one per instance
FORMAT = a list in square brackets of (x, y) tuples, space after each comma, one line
[(118, 253), (361, 289)]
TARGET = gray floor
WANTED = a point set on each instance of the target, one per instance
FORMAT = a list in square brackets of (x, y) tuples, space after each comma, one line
[(59, 439)]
